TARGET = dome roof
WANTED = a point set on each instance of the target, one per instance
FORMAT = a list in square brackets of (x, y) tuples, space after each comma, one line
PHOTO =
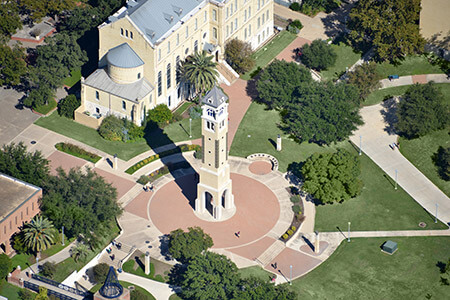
[(123, 56)]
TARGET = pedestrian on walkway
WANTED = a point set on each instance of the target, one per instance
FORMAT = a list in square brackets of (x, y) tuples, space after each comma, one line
[(238, 234)]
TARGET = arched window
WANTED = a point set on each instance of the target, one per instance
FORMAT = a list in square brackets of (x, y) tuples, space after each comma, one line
[(169, 82), (126, 33), (139, 76), (131, 34), (159, 83), (121, 31), (97, 95)]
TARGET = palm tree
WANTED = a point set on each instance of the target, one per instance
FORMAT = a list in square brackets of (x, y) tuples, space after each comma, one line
[(39, 234), (80, 251), (199, 70)]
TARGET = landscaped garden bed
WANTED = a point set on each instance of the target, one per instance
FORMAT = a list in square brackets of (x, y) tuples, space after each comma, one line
[(144, 179), (298, 210), (152, 158), (77, 151)]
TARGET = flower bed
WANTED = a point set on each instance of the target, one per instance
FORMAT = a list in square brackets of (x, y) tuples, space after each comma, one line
[(144, 179), (152, 158), (298, 218), (77, 151)]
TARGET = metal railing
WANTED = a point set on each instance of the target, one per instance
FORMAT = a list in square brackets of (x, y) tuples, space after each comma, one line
[(60, 285), (34, 287)]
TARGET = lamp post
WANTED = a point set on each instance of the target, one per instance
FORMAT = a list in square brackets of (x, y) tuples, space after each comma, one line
[(62, 233), (396, 175), (190, 127), (290, 281), (348, 236), (360, 144), (37, 263), (435, 217)]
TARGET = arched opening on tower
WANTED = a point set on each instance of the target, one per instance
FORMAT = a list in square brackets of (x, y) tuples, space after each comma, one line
[(224, 198), (208, 203)]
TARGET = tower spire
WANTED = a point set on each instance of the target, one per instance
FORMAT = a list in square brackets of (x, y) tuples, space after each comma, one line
[(111, 288)]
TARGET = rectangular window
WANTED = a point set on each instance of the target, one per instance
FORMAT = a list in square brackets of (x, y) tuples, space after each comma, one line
[(231, 9), (245, 16), (187, 31), (263, 18), (215, 33), (16, 220), (227, 13), (159, 54), (159, 83), (249, 12), (267, 15), (205, 17), (249, 29), (10, 225), (231, 27), (168, 76), (214, 16), (168, 47), (196, 24), (124, 105), (259, 4), (178, 39), (21, 215), (259, 22), (235, 24), (32, 206), (97, 95), (27, 211), (131, 34), (245, 33), (228, 31), (121, 31), (235, 5)]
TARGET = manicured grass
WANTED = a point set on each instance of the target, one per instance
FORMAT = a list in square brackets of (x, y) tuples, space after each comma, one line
[(255, 271), (346, 57), (379, 95), (174, 297), (411, 65), (359, 270), (379, 207), (126, 285), (174, 132), (75, 76), (261, 125), (131, 266), (45, 109), (180, 110), (11, 292), (268, 52), (420, 151)]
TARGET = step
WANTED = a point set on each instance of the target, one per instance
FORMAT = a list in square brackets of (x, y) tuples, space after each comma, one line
[(229, 76), (267, 256)]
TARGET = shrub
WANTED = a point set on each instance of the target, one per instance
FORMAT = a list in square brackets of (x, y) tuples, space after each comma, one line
[(100, 272), (39, 97), (239, 55), (296, 24), (256, 72), (195, 112), (295, 199), (296, 209), (319, 55), (290, 232), (293, 228), (144, 179), (138, 295), (160, 115), (68, 105), (442, 161), (295, 6), (18, 244), (47, 269), (285, 236), (115, 129), (25, 294), (77, 151), (198, 154), (5, 265)]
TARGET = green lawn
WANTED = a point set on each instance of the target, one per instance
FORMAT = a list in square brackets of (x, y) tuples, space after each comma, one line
[(411, 65), (379, 95), (268, 52), (132, 267), (45, 109), (174, 132), (255, 271), (11, 292), (125, 284), (359, 270), (379, 207), (180, 110), (420, 152), (346, 57), (75, 76)]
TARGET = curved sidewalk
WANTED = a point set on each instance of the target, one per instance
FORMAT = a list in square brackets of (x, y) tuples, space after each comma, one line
[(161, 291), (412, 79)]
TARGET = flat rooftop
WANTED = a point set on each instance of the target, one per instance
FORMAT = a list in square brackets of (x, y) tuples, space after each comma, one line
[(13, 193)]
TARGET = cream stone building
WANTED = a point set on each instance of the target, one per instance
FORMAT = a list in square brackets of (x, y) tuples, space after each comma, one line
[(142, 44)]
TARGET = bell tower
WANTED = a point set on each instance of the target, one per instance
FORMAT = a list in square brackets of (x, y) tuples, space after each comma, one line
[(214, 193)]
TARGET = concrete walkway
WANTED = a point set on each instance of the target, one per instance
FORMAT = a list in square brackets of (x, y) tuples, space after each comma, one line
[(161, 291), (408, 80)]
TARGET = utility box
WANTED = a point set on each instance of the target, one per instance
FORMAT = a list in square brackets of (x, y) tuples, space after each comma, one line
[(389, 247)]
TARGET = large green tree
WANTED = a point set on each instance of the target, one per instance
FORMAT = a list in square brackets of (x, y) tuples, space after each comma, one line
[(184, 246), (322, 112), (68, 105), (255, 289), (37, 9), (200, 71), (278, 81), (56, 59), (17, 162), (81, 201), (9, 19), (5, 266), (238, 55), (12, 64), (39, 234), (422, 110), (318, 56), (442, 161), (332, 177), (366, 78), (39, 96), (391, 27), (209, 276)]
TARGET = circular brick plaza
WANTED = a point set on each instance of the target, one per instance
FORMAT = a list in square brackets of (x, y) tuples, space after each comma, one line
[(257, 211), (260, 167)]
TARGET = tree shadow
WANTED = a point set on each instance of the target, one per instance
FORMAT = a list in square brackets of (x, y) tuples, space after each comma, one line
[(440, 161), (441, 265), (389, 113), (164, 246), (335, 23), (251, 90)]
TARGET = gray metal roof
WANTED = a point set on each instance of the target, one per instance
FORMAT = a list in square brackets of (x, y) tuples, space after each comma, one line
[(123, 56), (157, 17), (132, 91), (215, 97)]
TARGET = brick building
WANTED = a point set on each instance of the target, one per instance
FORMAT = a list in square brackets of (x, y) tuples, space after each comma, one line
[(18, 205)]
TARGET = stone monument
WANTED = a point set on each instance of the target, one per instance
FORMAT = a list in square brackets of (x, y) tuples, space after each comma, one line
[(112, 289), (214, 193)]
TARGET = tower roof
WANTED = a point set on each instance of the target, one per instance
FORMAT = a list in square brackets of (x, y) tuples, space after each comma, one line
[(111, 289), (215, 97), (123, 56)]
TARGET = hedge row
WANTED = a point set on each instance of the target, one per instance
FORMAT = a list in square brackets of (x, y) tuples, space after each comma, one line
[(289, 233), (144, 179), (152, 158), (77, 151)]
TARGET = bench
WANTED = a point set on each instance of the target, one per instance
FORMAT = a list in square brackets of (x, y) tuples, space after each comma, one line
[(390, 77), (265, 157)]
